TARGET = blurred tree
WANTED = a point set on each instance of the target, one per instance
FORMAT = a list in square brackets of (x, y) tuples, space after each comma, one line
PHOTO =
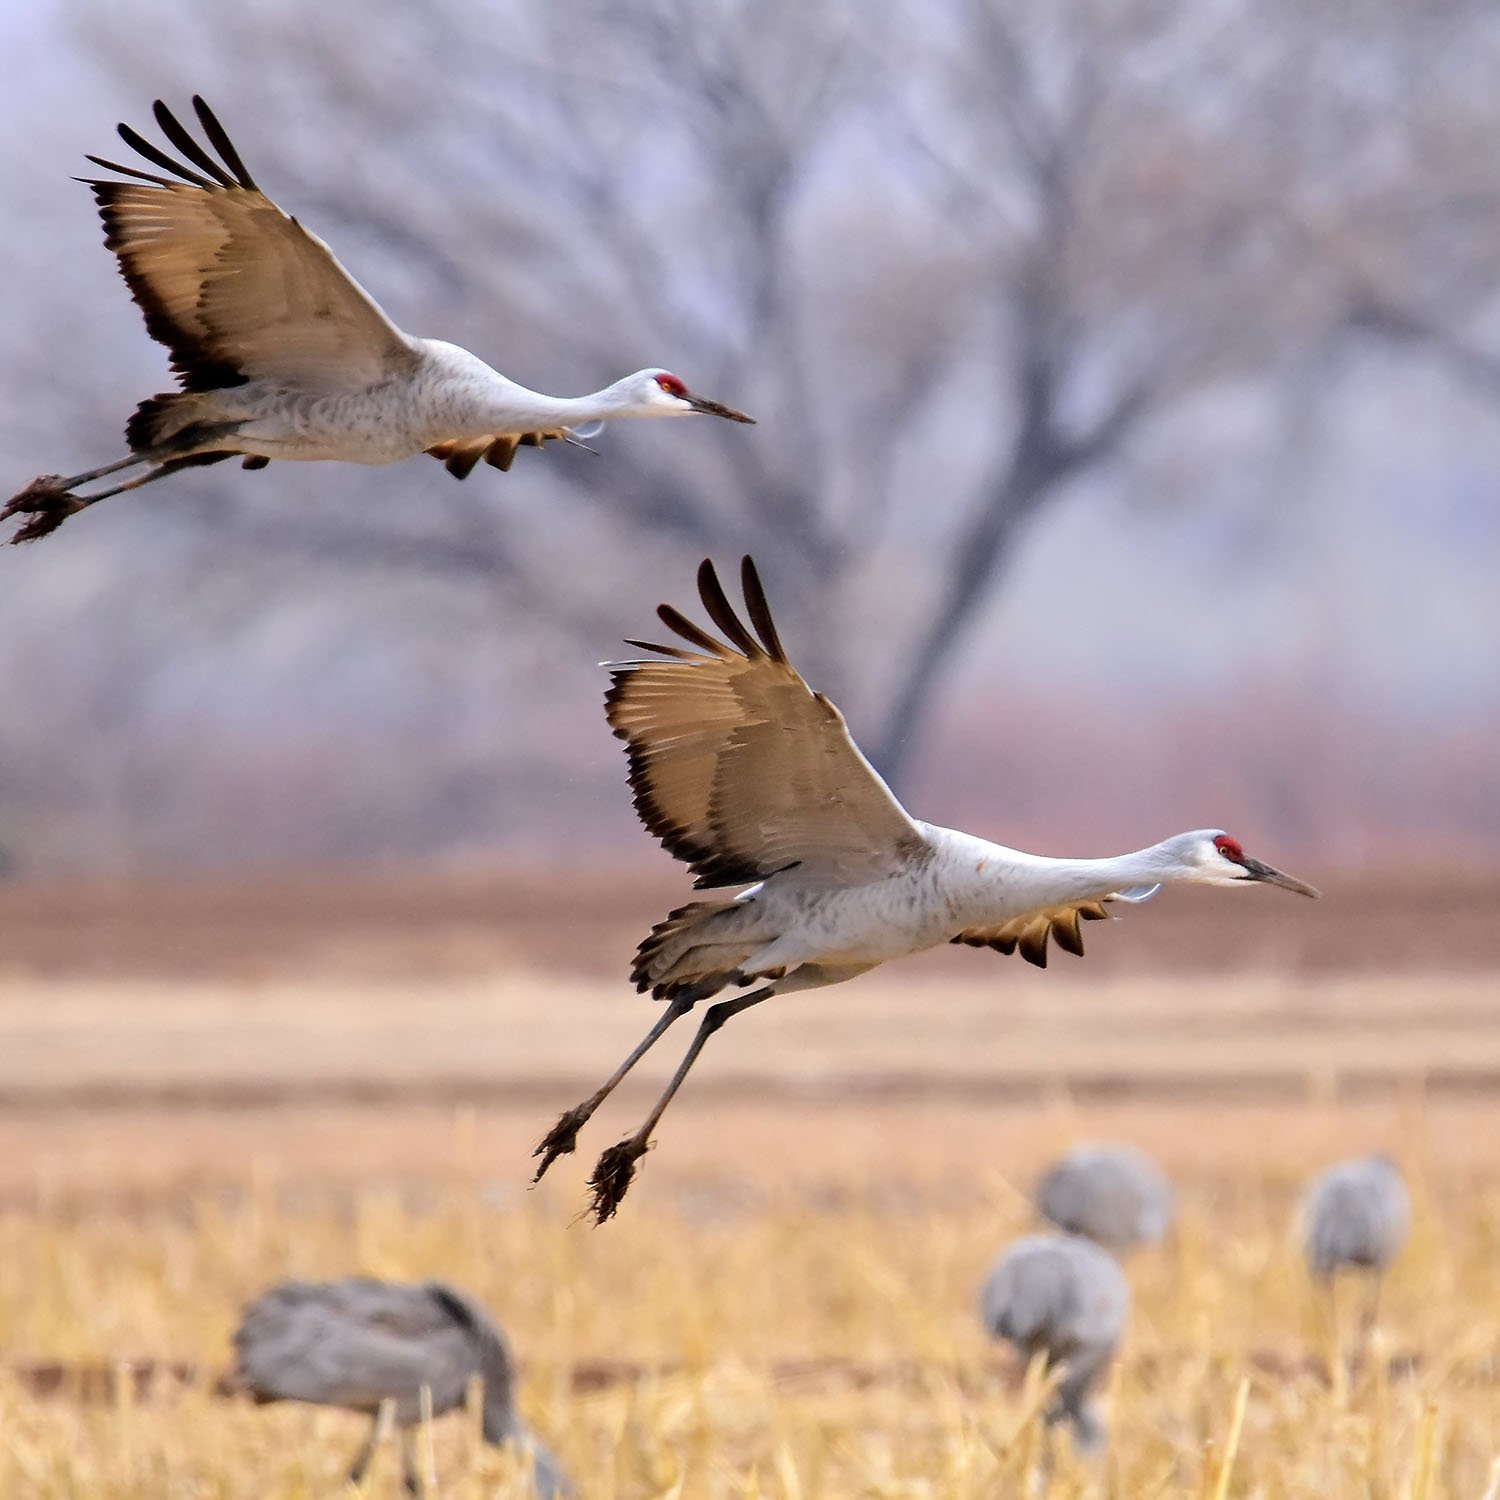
[(957, 256), (1005, 227)]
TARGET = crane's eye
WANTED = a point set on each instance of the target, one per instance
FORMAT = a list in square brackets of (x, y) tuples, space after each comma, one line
[(671, 385), (1229, 848)]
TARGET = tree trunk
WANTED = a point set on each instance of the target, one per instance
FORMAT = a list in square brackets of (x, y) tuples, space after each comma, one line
[(985, 548)]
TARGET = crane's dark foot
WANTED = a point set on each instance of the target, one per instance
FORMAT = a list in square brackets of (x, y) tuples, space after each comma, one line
[(47, 505), (613, 1174), (562, 1139)]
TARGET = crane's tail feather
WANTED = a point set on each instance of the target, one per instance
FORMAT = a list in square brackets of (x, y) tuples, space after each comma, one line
[(696, 952), (176, 422)]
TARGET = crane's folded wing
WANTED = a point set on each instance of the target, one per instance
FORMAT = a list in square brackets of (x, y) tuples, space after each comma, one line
[(460, 455), (1028, 933)]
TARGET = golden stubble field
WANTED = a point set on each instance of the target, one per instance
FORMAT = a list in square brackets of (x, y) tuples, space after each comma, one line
[(785, 1306)]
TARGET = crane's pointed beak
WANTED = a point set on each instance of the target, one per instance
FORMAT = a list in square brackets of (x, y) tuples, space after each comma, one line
[(1270, 875), (716, 409)]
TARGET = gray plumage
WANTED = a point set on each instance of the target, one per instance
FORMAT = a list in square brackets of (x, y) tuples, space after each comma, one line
[(1114, 1195), (1357, 1214), (1064, 1297), (359, 1343)]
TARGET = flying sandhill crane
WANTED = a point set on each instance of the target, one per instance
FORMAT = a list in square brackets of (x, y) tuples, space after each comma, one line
[(282, 354), (1355, 1216), (360, 1344), (1062, 1297), (1114, 1195), (751, 778)]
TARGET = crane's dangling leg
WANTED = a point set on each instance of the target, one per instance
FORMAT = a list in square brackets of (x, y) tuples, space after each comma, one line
[(49, 499), (48, 502), (563, 1137), (616, 1167)]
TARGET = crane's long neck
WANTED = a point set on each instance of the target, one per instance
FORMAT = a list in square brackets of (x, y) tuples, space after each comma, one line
[(578, 411), (1046, 882)]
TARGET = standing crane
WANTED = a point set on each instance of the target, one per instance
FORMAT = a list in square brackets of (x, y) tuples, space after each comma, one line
[(1355, 1216), (360, 1344), (751, 778), (1064, 1298), (281, 354), (1114, 1195)]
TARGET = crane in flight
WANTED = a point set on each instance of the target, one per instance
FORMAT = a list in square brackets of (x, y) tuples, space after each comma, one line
[(281, 354), (752, 779)]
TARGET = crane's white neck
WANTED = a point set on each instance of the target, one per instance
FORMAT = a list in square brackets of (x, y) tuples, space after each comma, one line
[(1055, 881), (1186, 858), (622, 399)]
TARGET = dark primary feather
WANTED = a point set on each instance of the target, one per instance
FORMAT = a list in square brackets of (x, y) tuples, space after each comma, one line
[(138, 143), (721, 611), (760, 610), (219, 139)]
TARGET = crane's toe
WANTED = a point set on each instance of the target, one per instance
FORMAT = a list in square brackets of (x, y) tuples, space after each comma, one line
[(562, 1139), (613, 1174), (45, 503)]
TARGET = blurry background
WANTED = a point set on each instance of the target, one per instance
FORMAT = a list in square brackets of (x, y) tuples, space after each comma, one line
[(1128, 377), (1129, 389)]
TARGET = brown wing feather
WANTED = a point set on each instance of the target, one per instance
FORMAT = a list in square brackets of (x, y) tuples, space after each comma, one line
[(1028, 933), (738, 767), (460, 455), (231, 285)]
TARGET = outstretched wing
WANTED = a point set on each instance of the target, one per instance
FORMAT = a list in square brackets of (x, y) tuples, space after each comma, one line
[(739, 768), (235, 288)]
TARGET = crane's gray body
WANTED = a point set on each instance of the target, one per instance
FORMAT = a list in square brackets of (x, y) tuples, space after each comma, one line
[(1114, 1195), (1356, 1215), (1064, 1297), (358, 1343)]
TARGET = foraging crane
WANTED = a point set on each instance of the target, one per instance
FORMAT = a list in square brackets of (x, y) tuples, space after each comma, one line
[(1114, 1195), (751, 778), (1355, 1216), (1063, 1297), (359, 1344), (281, 354)]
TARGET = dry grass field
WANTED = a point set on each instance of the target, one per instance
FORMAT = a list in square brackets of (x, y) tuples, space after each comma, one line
[(202, 1092)]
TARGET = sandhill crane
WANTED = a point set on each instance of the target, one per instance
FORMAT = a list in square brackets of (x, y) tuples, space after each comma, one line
[(1063, 1297), (281, 354), (1114, 1195), (1355, 1216), (752, 779), (359, 1344)]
